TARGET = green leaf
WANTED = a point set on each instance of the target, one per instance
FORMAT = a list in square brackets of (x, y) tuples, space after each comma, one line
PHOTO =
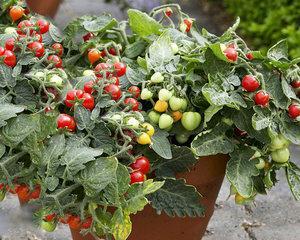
[(212, 142), (210, 112), (182, 160), (55, 33), (121, 225), (8, 111), (118, 187), (290, 130), (293, 177), (17, 129), (53, 151), (74, 159), (160, 54), (136, 195), (97, 175), (2, 150), (279, 51), (217, 50), (261, 119), (142, 24), (240, 170), (82, 117), (25, 95), (161, 145), (6, 78), (100, 24), (51, 183), (288, 90), (135, 76), (102, 139), (135, 49), (176, 198), (34, 147), (214, 65)]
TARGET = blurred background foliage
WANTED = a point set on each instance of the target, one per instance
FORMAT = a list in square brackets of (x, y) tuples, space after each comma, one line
[(263, 22)]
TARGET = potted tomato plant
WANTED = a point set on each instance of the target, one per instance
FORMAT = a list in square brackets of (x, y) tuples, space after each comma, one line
[(125, 130)]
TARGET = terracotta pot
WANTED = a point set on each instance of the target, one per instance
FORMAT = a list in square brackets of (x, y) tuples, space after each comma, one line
[(207, 176), (44, 7), (76, 235)]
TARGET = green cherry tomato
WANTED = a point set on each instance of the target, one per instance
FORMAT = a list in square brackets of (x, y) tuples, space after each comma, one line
[(133, 122), (281, 155), (279, 142), (175, 48), (10, 30), (165, 121), (157, 77), (88, 73), (116, 117), (48, 226), (57, 80), (39, 74), (146, 94), (181, 138), (175, 103), (164, 95), (261, 164), (191, 120), (154, 117), (184, 104)]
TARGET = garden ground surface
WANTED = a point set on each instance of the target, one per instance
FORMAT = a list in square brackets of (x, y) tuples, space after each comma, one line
[(275, 217)]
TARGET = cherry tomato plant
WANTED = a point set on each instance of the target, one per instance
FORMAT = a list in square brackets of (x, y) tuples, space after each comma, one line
[(95, 120)]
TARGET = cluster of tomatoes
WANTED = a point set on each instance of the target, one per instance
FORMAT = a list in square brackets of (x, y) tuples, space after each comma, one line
[(251, 84), (140, 167), (30, 33), (186, 24), (24, 192)]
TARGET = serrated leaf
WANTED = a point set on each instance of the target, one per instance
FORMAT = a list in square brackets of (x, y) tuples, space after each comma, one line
[(55, 33), (142, 24), (279, 51), (135, 76), (97, 175), (293, 177), (261, 119), (290, 130), (121, 225), (213, 65), (102, 138), (51, 183), (288, 90), (100, 24), (182, 160), (53, 151), (136, 195), (25, 95), (8, 111), (161, 145), (82, 117), (241, 169), (176, 198), (135, 49), (212, 142), (76, 158), (210, 112), (6, 78)]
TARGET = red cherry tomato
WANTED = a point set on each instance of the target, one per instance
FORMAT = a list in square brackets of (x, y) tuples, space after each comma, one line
[(23, 27), (38, 37), (56, 60), (23, 192), (43, 26), (240, 133), (250, 83), (112, 51), (65, 219), (115, 80), (89, 87), (10, 59), (135, 91), (296, 84), (262, 98), (120, 69), (35, 194), (133, 103), (101, 68), (88, 36), (250, 56), (50, 217), (231, 54), (142, 164), (88, 101), (37, 48), (168, 12), (87, 223), (74, 222), (294, 110), (10, 44), (72, 96), (114, 91), (16, 12), (2, 50), (58, 48), (65, 121), (137, 177), (189, 23), (2, 185)]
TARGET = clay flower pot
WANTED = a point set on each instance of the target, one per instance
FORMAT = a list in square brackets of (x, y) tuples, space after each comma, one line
[(207, 176), (44, 7)]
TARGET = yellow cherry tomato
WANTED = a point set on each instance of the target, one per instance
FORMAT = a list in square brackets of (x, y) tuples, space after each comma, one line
[(149, 129), (161, 106), (240, 199), (144, 139), (176, 116)]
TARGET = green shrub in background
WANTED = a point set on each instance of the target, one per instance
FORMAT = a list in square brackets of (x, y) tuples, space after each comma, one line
[(264, 22)]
